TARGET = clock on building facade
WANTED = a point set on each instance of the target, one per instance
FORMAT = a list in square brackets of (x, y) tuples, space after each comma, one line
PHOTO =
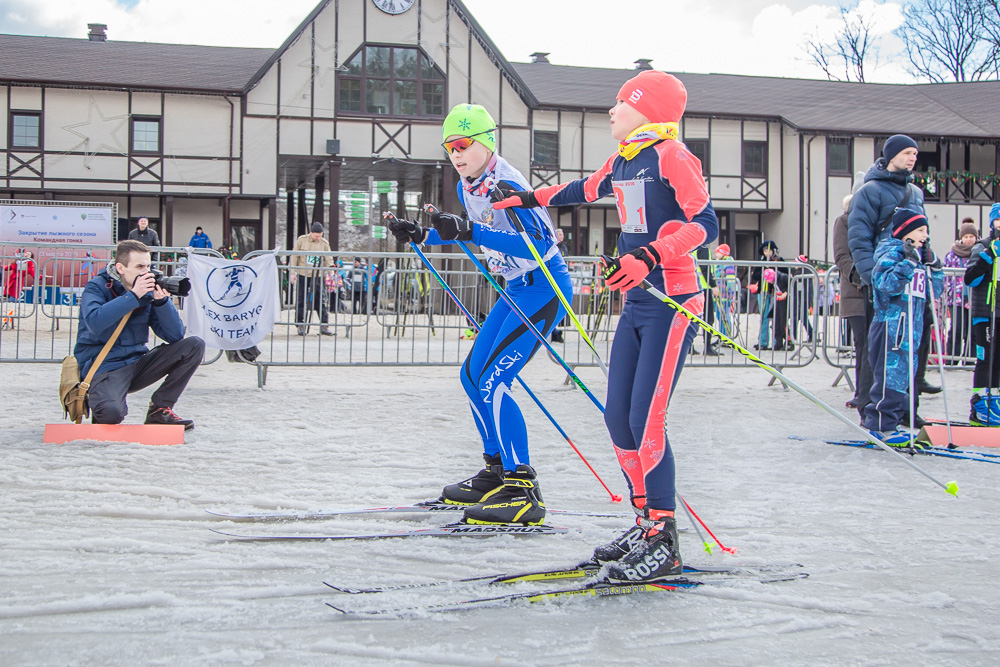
[(393, 6)]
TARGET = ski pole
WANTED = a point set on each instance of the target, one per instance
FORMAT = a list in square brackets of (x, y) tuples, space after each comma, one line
[(688, 508), (690, 515), (939, 332), (950, 487), (458, 302), (496, 196), (909, 363), (526, 320)]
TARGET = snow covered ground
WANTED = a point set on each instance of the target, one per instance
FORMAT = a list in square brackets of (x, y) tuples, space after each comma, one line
[(106, 555)]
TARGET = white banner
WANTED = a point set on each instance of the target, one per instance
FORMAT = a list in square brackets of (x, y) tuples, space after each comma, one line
[(233, 304), (56, 224)]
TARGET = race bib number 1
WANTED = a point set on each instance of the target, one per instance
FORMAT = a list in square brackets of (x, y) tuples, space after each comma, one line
[(630, 196)]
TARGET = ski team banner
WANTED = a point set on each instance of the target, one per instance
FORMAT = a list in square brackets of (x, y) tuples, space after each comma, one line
[(233, 305)]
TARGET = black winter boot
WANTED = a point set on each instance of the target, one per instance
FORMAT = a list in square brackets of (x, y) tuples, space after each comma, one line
[(155, 415), (657, 558), (472, 490), (519, 500)]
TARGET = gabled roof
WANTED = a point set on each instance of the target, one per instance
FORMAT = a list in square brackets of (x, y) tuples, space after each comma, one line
[(143, 65), (944, 109)]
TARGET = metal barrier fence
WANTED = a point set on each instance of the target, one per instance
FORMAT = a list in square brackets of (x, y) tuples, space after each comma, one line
[(954, 339), (39, 309), (387, 309)]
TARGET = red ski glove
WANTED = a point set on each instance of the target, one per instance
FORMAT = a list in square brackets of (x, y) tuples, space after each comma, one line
[(781, 296), (753, 288)]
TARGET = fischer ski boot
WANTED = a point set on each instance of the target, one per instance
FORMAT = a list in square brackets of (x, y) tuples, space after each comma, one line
[(474, 489), (657, 557), (519, 500)]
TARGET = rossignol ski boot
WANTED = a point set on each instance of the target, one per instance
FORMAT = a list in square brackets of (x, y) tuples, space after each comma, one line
[(657, 557)]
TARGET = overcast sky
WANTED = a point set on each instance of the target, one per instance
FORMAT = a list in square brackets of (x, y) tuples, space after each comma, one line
[(759, 37)]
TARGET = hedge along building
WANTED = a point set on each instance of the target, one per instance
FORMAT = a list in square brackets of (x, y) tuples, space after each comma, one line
[(240, 140)]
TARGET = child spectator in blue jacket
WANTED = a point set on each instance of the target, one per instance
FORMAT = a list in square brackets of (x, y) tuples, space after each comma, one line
[(903, 264)]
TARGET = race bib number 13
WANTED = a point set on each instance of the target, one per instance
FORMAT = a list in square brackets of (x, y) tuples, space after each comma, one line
[(630, 196), (918, 285)]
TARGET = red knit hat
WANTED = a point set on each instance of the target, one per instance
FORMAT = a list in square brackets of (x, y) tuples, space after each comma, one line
[(658, 96), (724, 249)]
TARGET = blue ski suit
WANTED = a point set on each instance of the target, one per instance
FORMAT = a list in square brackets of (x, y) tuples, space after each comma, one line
[(505, 344), (896, 281)]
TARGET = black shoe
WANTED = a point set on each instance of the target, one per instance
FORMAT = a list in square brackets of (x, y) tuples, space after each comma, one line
[(918, 421), (657, 557), (302, 331), (557, 336), (472, 490), (326, 331), (710, 351), (519, 500), (852, 403), (619, 547), (927, 388), (167, 416)]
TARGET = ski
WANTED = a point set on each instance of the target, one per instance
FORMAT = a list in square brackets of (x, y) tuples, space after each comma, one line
[(449, 530), (600, 588), (583, 570), (926, 450), (422, 507)]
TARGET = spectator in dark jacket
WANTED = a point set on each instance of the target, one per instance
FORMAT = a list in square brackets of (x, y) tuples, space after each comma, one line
[(852, 299), (200, 239), (144, 234), (887, 185), (981, 276), (127, 286), (770, 284)]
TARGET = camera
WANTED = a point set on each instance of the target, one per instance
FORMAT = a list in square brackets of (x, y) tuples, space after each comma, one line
[(173, 285)]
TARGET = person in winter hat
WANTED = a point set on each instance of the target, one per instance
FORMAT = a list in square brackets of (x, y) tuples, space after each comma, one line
[(665, 213), (507, 489), (903, 264), (981, 276), (955, 297), (771, 301), (887, 185)]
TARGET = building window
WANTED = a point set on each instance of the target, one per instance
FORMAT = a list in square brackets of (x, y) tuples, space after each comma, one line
[(699, 148), (545, 148), (25, 130), (146, 135), (838, 157), (390, 81), (755, 159)]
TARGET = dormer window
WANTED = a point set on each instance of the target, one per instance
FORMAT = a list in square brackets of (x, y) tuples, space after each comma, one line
[(390, 81)]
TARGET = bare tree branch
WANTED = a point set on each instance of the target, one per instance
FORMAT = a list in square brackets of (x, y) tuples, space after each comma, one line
[(952, 40), (853, 51)]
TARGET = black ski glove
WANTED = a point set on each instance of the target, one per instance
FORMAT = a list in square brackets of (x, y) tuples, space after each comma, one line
[(405, 231), (449, 226), (929, 257), (911, 253), (506, 196)]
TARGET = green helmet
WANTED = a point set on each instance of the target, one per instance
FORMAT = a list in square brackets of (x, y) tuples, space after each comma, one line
[(471, 120)]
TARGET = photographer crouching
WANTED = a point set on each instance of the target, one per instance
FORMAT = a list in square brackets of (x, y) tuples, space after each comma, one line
[(128, 287)]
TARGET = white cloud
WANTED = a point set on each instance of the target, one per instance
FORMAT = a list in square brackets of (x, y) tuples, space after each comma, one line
[(753, 37)]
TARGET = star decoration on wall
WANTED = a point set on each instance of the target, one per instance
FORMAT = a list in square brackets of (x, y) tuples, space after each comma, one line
[(101, 134)]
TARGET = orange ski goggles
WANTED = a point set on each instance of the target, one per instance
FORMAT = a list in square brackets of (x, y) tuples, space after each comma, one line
[(462, 143)]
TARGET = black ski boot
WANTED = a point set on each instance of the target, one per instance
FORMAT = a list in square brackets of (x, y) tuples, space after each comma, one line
[(623, 544), (474, 489), (519, 500), (658, 557)]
